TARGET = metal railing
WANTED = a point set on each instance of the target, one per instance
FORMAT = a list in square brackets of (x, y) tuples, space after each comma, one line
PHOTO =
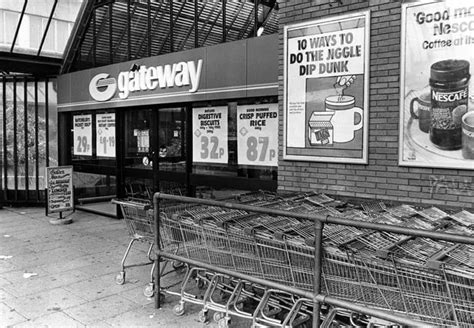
[(319, 221)]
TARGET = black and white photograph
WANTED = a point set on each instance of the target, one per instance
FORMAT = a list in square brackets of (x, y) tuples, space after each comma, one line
[(236, 163)]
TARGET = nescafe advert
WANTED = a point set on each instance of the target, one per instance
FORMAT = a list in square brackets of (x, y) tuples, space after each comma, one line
[(437, 89)]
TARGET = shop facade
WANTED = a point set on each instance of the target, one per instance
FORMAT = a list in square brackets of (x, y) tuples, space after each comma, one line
[(266, 113), (200, 122)]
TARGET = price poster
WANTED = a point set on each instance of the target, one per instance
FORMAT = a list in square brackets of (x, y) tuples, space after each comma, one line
[(82, 132), (326, 89), (105, 139), (210, 135), (60, 192), (257, 135)]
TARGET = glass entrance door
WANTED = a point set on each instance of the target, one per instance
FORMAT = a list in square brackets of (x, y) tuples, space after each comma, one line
[(154, 154), (171, 168)]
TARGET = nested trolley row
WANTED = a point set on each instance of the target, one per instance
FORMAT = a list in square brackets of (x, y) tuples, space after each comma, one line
[(426, 279)]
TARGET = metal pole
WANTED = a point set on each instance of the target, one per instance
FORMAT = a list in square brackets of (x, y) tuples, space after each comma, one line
[(157, 273), (463, 239), (318, 254)]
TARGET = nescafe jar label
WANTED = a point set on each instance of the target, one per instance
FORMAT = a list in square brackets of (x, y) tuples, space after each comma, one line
[(449, 81)]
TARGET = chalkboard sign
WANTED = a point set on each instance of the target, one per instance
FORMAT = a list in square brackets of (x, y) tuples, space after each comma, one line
[(59, 189)]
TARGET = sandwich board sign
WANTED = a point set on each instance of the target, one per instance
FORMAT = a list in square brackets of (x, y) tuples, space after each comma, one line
[(59, 190)]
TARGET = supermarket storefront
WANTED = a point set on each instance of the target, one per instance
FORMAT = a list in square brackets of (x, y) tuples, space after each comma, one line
[(198, 121)]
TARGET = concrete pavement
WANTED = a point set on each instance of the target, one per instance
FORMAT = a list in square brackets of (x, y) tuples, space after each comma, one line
[(64, 275)]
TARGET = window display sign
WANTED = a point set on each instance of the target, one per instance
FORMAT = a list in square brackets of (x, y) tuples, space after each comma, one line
[(105, 138), (326, 89), (210, 135), (257, 135), (143, 140), (437, 91), (60, 191), (82, 132)]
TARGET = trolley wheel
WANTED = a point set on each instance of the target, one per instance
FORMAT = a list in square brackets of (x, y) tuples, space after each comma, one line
[(177, 265), (223, 322), (149, 290), (218, 316), (178, 309), (120, 278), (203, 316)]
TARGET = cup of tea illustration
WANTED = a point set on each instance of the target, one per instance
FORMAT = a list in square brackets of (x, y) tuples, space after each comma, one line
[(468, 135), (347, 118), (420, 109)]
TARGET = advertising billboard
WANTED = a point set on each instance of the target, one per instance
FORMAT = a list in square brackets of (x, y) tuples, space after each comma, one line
[(326, 89), (436, 95)]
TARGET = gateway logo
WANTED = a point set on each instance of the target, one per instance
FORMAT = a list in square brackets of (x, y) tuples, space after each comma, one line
[(102, 87)]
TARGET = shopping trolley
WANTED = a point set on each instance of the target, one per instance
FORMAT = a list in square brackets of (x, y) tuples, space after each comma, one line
[(279, 249), (138, 218)]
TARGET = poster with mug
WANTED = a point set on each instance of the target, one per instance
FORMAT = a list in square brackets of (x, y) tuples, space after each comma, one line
[(326, 89), (437, 91)]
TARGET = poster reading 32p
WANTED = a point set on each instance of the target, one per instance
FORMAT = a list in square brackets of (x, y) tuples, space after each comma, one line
[(105, 139), (326, 89), (257, 135), (82, 132), (210, 135), (437, 88)]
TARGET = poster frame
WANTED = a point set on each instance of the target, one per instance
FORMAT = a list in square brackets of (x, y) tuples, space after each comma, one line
[(364, 159), (446, 164)]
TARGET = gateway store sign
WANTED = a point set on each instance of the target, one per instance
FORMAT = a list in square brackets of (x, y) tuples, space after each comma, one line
[(103, 87)]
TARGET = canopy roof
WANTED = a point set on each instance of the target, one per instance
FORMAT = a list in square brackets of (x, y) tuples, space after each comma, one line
[(50, 37)]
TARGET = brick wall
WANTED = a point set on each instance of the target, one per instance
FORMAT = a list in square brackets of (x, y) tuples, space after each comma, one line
[(382, 178)]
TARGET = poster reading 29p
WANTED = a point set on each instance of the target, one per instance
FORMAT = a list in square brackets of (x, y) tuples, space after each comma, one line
[(82, 132), (437, 90), (326, 89), (257, 135), (210, 135)]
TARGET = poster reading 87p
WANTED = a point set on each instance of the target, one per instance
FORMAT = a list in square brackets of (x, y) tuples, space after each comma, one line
[(326, 89), (437, 91), (257, 135)]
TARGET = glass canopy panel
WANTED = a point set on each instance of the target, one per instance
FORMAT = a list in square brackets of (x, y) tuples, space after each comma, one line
[(31, 32), (64, 16), (33, 26), (10, 11)]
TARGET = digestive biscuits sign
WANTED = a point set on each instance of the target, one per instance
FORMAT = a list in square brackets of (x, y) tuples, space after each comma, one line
[(326, 89), (59, 189), (257, 135), (437, 88), (210, 135)]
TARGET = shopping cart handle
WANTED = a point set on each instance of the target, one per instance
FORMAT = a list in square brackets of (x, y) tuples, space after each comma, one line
[(140, 206)]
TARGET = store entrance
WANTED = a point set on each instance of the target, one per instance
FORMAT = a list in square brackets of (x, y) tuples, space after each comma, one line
[(154, 154)]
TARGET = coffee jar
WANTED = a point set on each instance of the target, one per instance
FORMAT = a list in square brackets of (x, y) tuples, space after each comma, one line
[(449, 82)]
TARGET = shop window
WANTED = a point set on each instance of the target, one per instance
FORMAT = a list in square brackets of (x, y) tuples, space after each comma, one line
[(88, 185), (235, 140)]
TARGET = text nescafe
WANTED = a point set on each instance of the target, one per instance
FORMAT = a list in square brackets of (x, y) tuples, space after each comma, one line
[(449, 83)]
